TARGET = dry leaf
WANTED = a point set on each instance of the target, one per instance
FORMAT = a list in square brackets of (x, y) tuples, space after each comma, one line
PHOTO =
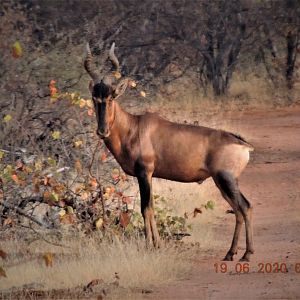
[(61, 213), (7, 221), (48, 257), (19, 165), (117, 74), (3, 254), (84, 196), (115, 174), (36, 187), (126, 200), (93, 183), (59, 188), (132, 84), (143, 94), (197, 211), (124, 219), (68, 219), (7, 118), (2, 272), (38, 165), (47, 196), (78, 166), (89, 103), (106, 196), (17, 50), (15, 178), (82, 103), (103, 157), (70, 210), (93, 283), (90, 112), (54, 197), (99, 223), (45, 181), (109, 190), (53, 90), (55, 135), (61, 203), (78, 143), (123, 177)]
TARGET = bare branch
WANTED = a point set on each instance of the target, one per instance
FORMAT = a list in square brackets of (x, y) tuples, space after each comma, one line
[(24, 214)]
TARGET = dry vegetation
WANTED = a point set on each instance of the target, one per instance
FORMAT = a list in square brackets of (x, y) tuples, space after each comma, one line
[(128, 265)]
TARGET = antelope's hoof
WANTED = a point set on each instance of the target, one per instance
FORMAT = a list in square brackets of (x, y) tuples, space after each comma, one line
[(246, 256), (228, 257)]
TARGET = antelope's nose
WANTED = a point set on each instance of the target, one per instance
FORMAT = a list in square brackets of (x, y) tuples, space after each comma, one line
[(103, 134)]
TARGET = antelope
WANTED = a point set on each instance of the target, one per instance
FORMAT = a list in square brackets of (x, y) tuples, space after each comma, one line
[(148, 146)]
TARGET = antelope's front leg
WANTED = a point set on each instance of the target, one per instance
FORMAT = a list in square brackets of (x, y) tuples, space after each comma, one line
[(151, 232)]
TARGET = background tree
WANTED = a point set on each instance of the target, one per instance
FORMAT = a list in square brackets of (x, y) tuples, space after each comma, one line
[(221, 41)]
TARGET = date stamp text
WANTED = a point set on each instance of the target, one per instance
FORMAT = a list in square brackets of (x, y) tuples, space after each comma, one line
[(265, 268)]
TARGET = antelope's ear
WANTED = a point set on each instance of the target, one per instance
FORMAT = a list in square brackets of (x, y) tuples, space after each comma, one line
[(91, 86), (120, 88)]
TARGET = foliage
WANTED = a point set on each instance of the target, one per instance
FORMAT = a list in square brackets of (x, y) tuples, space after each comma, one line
[(72, 173)]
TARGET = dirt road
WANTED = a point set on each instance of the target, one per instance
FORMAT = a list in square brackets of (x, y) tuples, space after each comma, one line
[(272, 184)]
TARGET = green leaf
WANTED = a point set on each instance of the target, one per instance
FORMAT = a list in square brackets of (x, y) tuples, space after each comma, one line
[(51, 161), (210, 204), (54, 197), (7, 118), (56, 135), (17, 50), (8, 170), (70, 210)]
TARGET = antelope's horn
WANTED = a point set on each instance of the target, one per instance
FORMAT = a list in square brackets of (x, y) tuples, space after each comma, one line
[(88, 64), (113, 57)]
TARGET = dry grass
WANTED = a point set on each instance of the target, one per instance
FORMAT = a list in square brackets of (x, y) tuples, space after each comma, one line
[(87, 260), (184, 198), (183, 99)]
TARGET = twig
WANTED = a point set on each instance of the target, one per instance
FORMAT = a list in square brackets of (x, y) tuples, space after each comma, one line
[(100, 192), (92, 161), (23, 213)]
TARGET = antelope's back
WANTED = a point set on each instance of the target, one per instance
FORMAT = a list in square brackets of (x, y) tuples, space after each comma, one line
[(179, 151)]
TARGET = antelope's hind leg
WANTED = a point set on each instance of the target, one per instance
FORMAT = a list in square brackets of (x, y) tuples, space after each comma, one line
[(247, 215), (242, 210)]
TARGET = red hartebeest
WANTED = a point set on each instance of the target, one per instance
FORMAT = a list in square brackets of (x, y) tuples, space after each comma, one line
[(148, 146)]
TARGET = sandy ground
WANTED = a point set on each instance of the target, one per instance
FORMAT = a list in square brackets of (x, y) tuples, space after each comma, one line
[(272, 183)]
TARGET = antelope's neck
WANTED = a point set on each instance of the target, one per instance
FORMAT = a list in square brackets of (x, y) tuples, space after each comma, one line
[(122, 132)]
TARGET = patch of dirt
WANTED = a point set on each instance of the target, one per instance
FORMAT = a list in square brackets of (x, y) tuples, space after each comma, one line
[(272, 183)]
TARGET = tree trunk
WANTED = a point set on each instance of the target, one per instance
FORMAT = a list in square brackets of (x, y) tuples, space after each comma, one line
[(218, 85), (291, 58)]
